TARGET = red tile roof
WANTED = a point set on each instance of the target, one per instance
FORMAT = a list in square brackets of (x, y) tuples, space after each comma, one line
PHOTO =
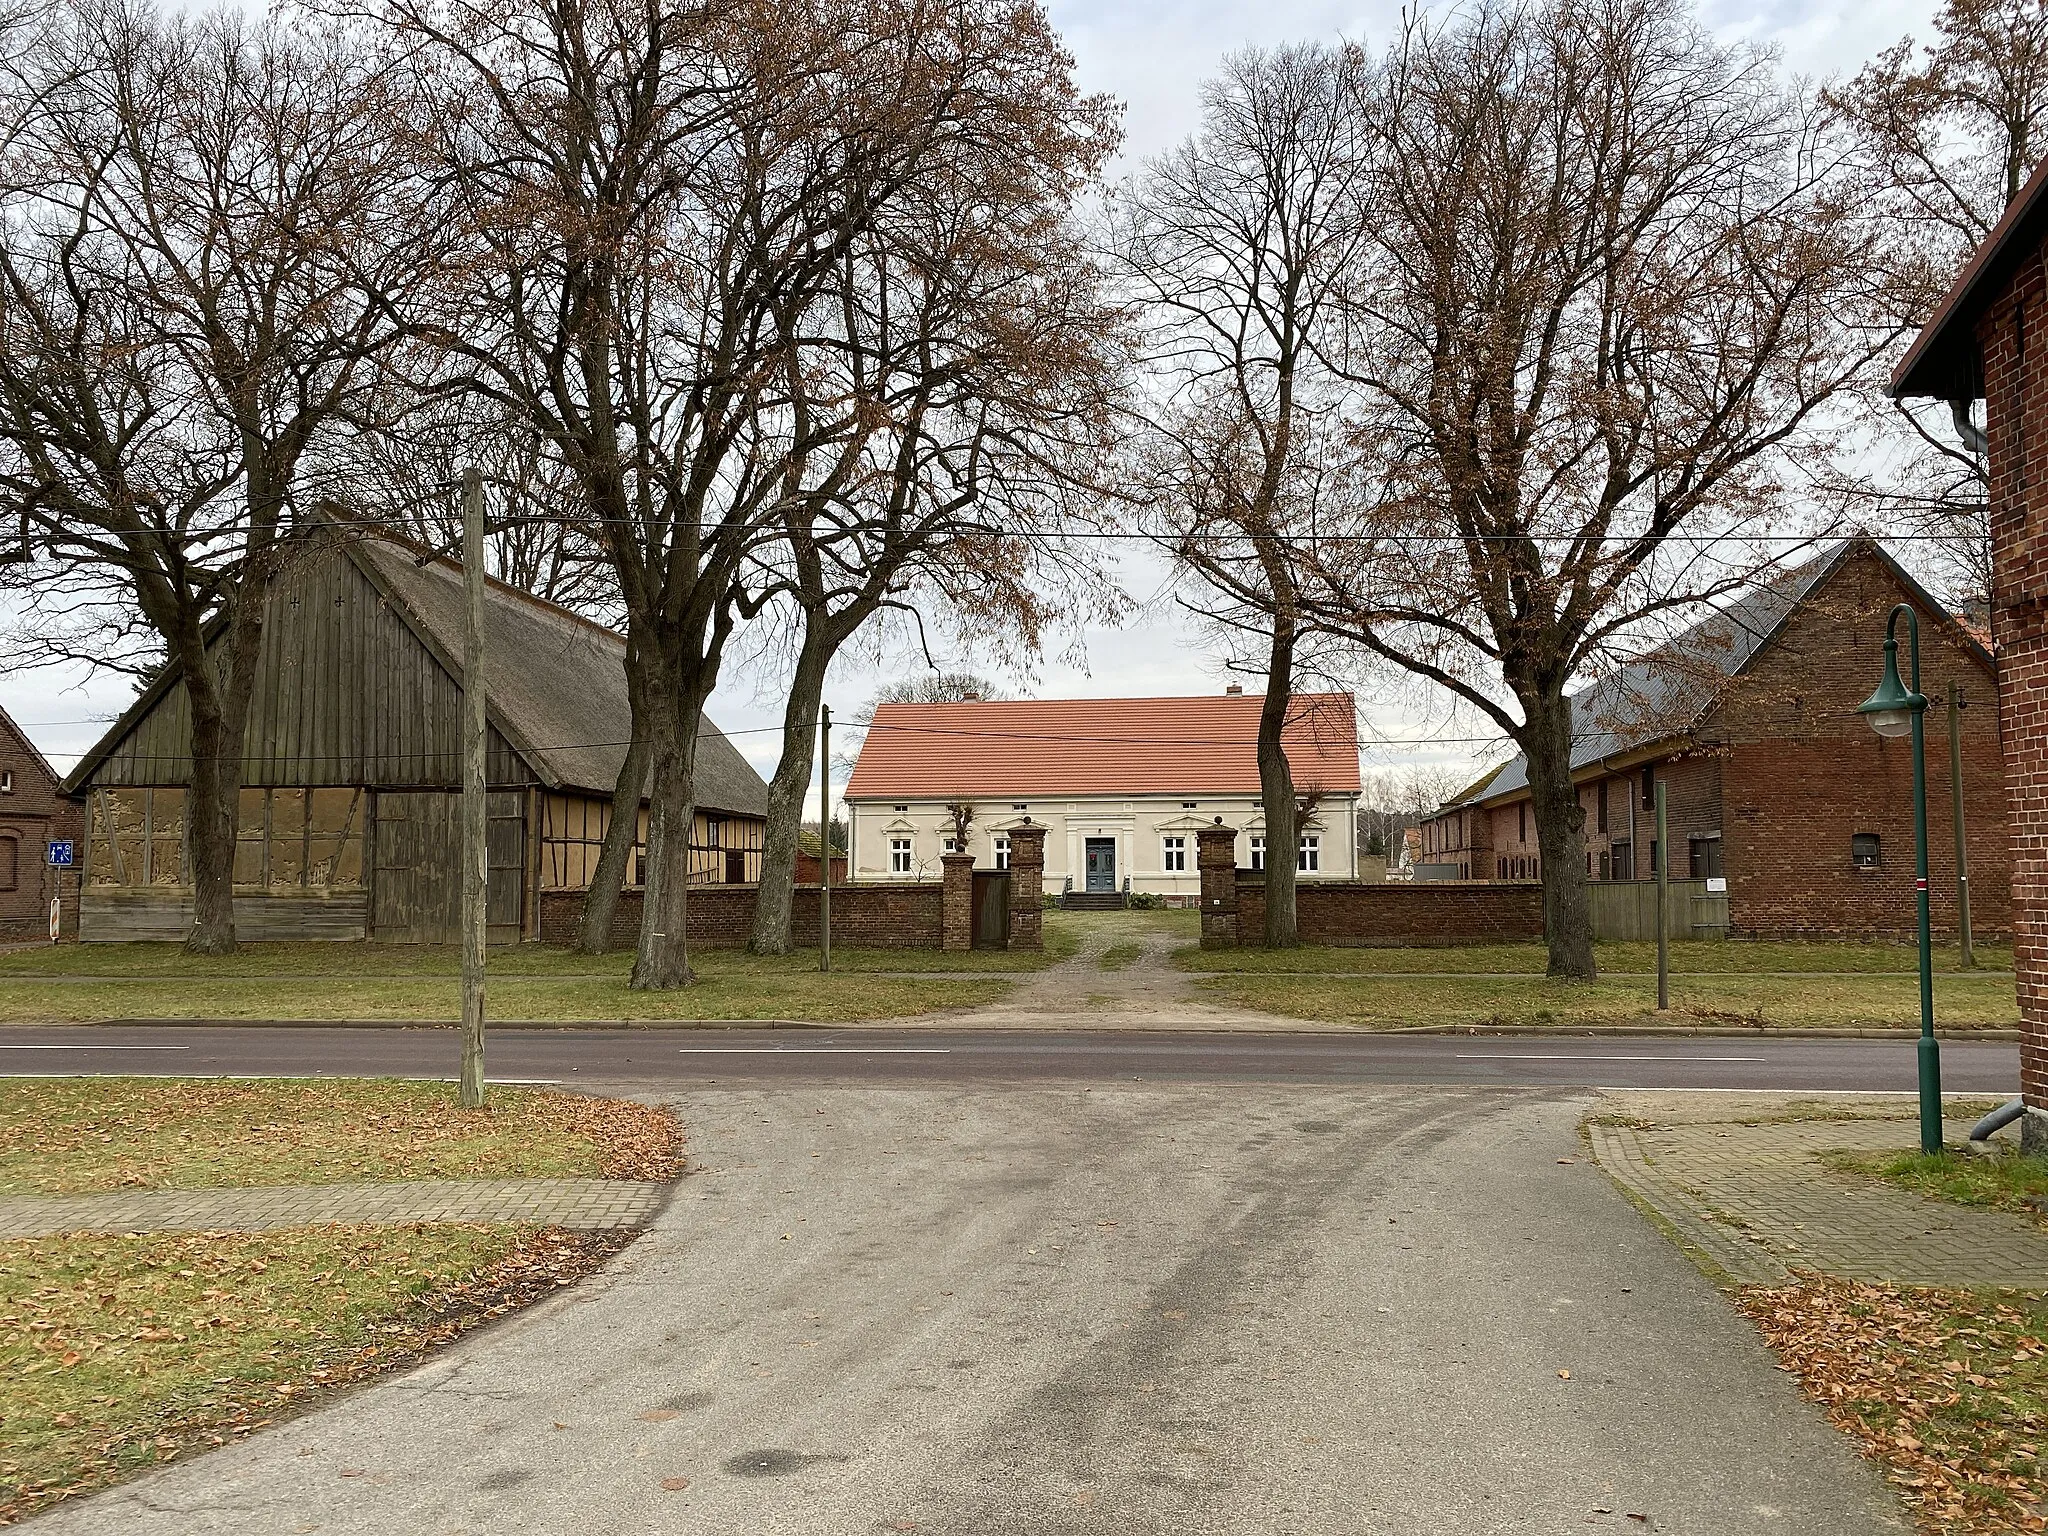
[(1027, 747)]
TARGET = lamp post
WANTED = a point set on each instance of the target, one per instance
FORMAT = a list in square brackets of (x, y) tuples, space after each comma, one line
[(1895, 710)]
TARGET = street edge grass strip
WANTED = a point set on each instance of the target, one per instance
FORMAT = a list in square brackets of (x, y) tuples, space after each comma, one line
[(78, 1136), (1947, 1390), (540, 1261)]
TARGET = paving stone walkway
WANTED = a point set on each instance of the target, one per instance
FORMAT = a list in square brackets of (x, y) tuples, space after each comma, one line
[(1744, 1186), (580, 1204)]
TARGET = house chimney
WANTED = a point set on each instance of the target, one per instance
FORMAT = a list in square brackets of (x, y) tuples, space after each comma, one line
[(1235, 688), (969, 696)]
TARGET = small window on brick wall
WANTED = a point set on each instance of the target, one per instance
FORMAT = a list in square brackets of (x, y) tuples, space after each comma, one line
[(1865, 852)]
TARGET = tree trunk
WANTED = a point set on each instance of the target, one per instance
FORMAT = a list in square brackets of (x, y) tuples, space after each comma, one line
[(786, 793), (1560, 839), (218, 684), (663, 959), (1276, 794), (601, 901), (210, 819)]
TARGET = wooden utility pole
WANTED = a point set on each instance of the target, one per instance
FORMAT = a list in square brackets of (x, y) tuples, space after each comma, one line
[(475, 854), (1968, 958), (824, 837), (1663, 905)]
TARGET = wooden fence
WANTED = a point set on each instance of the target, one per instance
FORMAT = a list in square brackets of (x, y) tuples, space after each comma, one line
[(1627, 909)]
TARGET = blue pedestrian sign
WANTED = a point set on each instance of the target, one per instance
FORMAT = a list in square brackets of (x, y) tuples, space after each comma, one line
[(60, 853)]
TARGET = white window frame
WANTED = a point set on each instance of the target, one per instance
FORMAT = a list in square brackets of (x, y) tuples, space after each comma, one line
[(901, 855), (1173, 855), (1308, 858), (6, 781), (1258, 850), (1002, 843)]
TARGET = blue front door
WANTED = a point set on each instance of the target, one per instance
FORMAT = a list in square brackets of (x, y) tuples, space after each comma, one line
[(1102, 864)]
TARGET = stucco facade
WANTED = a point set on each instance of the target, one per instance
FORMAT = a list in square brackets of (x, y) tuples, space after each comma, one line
[(1150, 839)]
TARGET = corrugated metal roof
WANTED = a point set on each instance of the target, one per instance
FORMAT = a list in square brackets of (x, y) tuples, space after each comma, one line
[(555, 682), (1048, 747)]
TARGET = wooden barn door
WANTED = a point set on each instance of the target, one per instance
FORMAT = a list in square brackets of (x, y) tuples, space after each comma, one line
[(418, 896)]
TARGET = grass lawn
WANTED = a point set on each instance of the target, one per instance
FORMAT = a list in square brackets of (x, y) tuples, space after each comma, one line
[(1947, 1390), (2005, 1180), (1689, 955), (526, 962), (70, 1135), (843, 996), (83, 983), (1398, 1001), (121, 1352)]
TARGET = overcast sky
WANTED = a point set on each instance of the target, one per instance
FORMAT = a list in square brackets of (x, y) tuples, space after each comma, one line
[(1152, 55)]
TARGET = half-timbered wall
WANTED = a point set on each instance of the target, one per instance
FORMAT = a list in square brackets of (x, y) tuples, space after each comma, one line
[(724, 850)]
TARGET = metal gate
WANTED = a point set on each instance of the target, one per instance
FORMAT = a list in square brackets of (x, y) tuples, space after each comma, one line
[(991, 927), (417, 892)]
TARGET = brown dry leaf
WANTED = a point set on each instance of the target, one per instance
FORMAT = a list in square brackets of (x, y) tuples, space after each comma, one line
[(675, 1484), (1929, 1382), (1564, 1375)]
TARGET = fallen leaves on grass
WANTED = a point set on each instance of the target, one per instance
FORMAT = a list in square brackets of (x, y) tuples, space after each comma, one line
[(1948, 1389), (119, 1352), (634, 1141), (69, 1135)]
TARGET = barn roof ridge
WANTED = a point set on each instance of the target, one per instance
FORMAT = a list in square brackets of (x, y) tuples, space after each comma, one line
[(544, 714)]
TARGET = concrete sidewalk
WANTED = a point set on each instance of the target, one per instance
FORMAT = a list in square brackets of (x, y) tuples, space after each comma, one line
[(1742, 1182), (970, 1309), (579, 1204)]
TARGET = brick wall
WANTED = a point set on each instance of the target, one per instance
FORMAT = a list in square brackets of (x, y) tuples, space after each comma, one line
[(1426, 912), (880, 916), (1802, 772), (32, 813), (2016, 401)]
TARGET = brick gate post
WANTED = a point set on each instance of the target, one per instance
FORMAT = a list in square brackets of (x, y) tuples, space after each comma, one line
[(1027, 886), (1216, 861), (956, 902)]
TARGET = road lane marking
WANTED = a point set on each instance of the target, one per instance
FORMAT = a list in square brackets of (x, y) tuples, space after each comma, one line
[(95, 1047), (1612, 1058), (814, 1050)]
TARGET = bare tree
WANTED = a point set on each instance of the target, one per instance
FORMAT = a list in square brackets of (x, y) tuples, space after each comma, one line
[(405, 475), (195, 217), (1235, 247), (656, 200), (963, 342), (1610, 292), (1941, 138)]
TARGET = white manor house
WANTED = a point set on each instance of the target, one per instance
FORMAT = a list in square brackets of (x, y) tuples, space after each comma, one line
[(1121, 786)]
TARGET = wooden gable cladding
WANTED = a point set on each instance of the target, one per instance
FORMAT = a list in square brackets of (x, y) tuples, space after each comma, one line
[(346, 693)]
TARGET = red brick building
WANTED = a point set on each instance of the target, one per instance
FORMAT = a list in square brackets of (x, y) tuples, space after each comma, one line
[(1773, 783), (32, 812), (1977, 347)]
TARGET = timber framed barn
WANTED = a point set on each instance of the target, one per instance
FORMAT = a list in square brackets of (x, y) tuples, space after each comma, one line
[(351, 804)]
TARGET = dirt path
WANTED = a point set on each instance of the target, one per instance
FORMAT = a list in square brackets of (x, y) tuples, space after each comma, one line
[(1122, 977)]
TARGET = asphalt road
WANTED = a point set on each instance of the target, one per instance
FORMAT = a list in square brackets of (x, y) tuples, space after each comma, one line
[(642, 1060), (979, 1309)]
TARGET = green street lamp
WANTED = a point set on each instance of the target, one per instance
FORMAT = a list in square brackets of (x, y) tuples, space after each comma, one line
[(1895, 710)]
